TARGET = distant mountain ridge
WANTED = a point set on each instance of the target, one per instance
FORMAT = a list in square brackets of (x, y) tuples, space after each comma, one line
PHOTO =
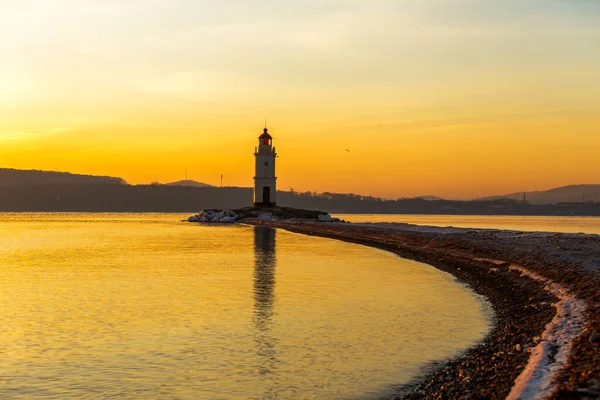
[(23, 178), (564, 194), (189, 182), (19, 177), (86, 197), (429, 198)]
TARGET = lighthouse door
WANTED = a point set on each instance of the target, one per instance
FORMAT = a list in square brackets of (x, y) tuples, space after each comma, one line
[(266, 195)]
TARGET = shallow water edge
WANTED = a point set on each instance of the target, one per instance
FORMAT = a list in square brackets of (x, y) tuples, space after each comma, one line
[(522, 306)]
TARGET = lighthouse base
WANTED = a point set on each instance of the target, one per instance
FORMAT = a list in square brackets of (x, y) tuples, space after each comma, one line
[(264, 204), (264, 192), (260, 212)]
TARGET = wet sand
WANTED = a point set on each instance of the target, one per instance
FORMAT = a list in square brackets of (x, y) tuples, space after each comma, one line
[(493, 263)]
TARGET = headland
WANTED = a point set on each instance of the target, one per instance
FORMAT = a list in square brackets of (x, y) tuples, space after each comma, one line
[(545, 291)]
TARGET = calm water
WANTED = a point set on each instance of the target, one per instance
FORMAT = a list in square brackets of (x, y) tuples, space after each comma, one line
[(519, 223), (147, 307)]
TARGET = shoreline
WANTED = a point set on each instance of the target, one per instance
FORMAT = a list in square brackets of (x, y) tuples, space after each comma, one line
[(526, 280)]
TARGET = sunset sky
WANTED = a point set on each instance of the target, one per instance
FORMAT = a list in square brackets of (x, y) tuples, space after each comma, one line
[(455, 98)]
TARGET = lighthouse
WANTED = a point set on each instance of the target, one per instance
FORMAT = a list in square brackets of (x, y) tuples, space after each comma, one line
[(264, 177)]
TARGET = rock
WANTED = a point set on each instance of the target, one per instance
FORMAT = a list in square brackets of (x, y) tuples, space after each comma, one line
[(587, 393), (226, 216), (324, 218), (215, 216), (271, 213), (207, 216), (518, 348), (595, 338), (266, 216)]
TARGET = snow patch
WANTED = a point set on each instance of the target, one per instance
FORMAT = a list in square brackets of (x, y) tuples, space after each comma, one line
[(537, 380), (267, 216), (324, 218), (207, 216)]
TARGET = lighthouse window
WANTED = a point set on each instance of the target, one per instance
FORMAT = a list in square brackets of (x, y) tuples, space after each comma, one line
[(266, 164)]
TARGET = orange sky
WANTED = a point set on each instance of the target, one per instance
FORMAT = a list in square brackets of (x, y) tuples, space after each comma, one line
[(451, 98)]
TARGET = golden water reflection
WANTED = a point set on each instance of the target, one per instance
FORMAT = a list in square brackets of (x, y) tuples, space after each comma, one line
[(143, 306), (264, 296)]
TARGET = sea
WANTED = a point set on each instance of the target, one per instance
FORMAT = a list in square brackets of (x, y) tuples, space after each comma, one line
[(145, 306)]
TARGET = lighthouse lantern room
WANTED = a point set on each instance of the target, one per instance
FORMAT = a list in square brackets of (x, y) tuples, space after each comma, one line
[(264, 178)]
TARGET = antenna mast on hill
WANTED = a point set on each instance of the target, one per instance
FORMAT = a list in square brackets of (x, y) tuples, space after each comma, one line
[(221, 181)]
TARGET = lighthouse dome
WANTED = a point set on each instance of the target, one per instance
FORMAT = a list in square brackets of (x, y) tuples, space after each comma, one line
[(265, 135)]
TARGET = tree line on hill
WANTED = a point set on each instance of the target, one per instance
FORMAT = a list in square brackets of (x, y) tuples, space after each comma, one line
[(87, 197), (19, 177), (352, 203)]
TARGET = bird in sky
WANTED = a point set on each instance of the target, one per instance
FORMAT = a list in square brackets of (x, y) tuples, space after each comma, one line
[(348, 150)]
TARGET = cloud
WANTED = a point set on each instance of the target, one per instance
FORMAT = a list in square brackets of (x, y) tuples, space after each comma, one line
[(472, 120), (66, 50), (24, 135)]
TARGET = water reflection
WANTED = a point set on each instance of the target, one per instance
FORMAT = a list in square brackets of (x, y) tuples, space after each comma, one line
[(264, 296), (83, 312)]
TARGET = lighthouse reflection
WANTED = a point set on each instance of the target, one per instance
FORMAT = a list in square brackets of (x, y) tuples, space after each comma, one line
[(264, 296)]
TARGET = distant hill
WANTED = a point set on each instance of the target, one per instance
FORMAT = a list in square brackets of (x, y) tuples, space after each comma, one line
[(41, 191), (565, 194), (189, 183), (91, 197), (428, 198), (18, 177)]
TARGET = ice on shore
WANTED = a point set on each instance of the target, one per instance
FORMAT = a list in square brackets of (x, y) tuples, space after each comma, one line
[(551, 355), (270, 214), (225, 216), (266, 216), (325, 218)]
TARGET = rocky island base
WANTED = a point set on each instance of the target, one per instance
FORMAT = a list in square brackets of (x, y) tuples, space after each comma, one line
[(545, 291), (262, 213)]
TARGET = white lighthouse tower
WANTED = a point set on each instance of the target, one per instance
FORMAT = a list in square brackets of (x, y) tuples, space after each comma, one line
[(265, 189)]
